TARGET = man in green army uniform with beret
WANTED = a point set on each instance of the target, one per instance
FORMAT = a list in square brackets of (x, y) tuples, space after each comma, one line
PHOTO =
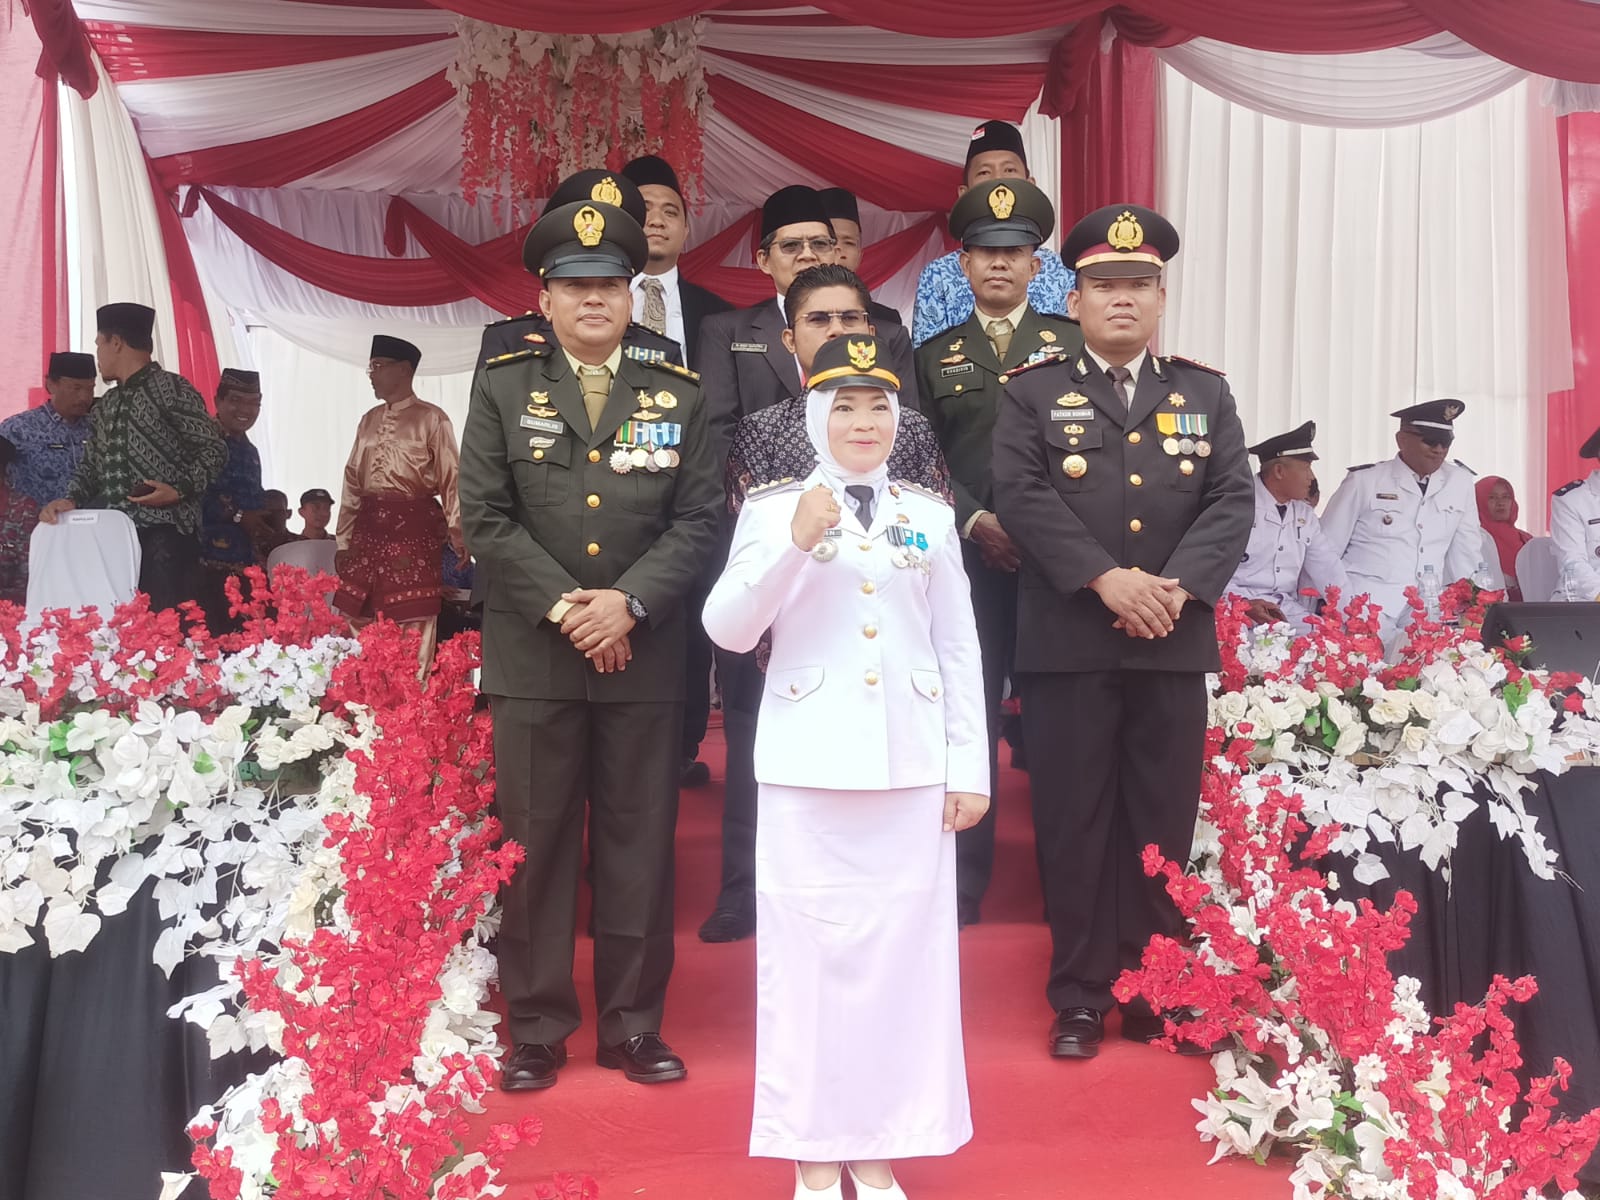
[(589, 487), (999, 223)]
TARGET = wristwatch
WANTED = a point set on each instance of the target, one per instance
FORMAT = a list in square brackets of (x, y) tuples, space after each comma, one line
[(636, 608)]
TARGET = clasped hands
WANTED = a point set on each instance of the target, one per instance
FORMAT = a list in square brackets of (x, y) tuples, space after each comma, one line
[(155, 494), (598, 624), (1146, 606)]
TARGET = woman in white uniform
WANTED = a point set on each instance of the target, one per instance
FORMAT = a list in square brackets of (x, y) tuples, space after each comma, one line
[(871, 752)]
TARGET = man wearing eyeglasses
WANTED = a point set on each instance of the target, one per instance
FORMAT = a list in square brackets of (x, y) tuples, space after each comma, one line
[(743, 363), (1393, 520), (1000, 224)]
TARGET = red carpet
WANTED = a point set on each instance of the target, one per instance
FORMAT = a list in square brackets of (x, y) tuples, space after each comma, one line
[(1117, 1126)]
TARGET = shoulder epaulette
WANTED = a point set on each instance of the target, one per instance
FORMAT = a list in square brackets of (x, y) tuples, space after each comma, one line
[(1463, 466), (510, 320), (1362, 467), (787, 484), (1033, 364), (1195, 362), (905, 485), (1567, 487), (514, 356), (664, 365)]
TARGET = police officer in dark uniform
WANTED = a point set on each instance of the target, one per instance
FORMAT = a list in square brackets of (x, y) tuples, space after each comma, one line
[(589, 486), (1122, 479), (999, 224)]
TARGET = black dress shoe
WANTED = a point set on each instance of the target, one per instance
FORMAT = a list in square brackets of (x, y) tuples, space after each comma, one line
[(694, 773), (1077, 1033), (1143, 1027), (643, 1059), (532, 1067), (728, 925)]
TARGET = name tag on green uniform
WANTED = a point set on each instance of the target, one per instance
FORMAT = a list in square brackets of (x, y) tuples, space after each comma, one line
[(962, 369), (543, 424)]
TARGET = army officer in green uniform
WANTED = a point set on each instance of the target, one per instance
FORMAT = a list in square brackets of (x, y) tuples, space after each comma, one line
[(1122, 478), (999, 225), (588, 485)]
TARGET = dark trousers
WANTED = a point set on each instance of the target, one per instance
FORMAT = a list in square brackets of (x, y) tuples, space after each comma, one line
[(1115, 759), (994, 605), (741, 681), (550, 756), (697, 684), (169, 565)]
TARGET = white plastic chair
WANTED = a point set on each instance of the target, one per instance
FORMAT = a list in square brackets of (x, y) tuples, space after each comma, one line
[(314, 557), (90, 556), (1539, 570)]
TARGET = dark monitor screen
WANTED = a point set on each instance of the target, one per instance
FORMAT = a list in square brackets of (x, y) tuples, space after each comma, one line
[(1565, 637)]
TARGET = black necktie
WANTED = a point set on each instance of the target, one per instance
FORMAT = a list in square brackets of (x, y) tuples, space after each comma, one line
[(1423, 484), (863, 495), (1283, 510), (1119, 383)]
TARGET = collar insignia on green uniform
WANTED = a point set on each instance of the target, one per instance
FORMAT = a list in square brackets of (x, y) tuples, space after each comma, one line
[(1047, 335)]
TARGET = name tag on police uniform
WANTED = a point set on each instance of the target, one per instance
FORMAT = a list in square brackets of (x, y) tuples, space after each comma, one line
[(1072, 414), (543, 424)]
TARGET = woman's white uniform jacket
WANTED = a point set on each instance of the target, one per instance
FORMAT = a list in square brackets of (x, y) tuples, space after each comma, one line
[(875, 680)]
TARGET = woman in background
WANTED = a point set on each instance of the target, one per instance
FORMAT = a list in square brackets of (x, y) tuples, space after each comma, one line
[(1497, 511)]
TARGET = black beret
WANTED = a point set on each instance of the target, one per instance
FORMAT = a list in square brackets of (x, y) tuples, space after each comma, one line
[(840, 204), (996, 135), (599, 187), (793, 205), (384, 346), (1120, 240), (650, 171), (66, 365), (1002, 212), (131, 322), (1294, 444)]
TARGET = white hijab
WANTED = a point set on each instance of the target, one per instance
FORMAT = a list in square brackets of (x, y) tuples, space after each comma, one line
[(819, 403)]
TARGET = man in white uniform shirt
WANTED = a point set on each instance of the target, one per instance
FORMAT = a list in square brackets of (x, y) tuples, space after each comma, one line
[(1575, 529), (663, 301), (1392, 520), (1288, 552)]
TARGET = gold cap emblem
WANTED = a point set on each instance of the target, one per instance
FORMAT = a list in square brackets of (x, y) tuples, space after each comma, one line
[(1452, 411), (606, 192), (1125, 233), (590, 225), (1001, 201), (863, 355)]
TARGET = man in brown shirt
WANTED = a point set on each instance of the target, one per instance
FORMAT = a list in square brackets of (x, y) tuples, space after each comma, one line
[(399, 504)]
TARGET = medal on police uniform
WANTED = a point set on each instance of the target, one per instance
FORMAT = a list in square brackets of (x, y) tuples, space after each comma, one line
[(828, 548), (1203, 448), (1186, 445), (1170, 446)]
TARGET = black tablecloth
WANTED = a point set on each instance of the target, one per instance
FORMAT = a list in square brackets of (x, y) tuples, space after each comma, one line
[(97, 1083)]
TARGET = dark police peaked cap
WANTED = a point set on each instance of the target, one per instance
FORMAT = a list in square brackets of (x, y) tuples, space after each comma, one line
[(1002, 212), (1294, 444), (840, 204), (855, 360), (66, 365), (586, 239), (384, 346), (1120, 240), (131, 322), (996, 135), (600, 187), (792, 205), (1591, 448), (1432, 418), (237, 379), (648, 170)]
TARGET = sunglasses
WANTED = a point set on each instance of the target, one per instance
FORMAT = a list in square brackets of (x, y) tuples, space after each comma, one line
[(790, 247), (849, 319)]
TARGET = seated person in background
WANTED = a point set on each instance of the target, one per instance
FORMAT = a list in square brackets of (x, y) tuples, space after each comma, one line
[(18, 515), (1575, 529), (1287, 553), (272, 530), (1497, 511), (316, 513)]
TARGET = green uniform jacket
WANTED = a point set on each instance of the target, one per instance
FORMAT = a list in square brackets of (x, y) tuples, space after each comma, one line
[(959, 381), (549, 519)]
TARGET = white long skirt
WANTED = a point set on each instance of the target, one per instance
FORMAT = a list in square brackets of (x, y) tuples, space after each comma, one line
[(858, 991)]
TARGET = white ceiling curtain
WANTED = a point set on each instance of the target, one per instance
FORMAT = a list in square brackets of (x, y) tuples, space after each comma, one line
[(1449, 278)]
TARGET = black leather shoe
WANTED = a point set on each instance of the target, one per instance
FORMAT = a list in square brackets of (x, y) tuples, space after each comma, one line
[(1077, 1033), (643, 1059), (728, 925), (694, 773), (532, 1067), (1137, 1027)]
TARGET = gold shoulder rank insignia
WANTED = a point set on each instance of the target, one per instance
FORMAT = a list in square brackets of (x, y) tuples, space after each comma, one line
[(906, 485), (786, 484), (1195, 362), (514, 356), (1013, 372), (664, 365)]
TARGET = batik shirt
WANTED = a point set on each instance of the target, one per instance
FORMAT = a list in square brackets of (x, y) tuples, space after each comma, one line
[(153, 426), (223, 540), (49, 449), (18, 515), (944, 297)]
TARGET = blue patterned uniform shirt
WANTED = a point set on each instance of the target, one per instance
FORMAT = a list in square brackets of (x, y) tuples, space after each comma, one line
[(237, 490), (944, 297), (49, 449)]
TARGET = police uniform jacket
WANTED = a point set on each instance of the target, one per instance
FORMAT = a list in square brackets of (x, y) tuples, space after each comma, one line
[(1132, 505), (1387, 530), (548, 520), (1575, 529), (875, 680), (1285, 555), (958, 377), (744, 366)]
